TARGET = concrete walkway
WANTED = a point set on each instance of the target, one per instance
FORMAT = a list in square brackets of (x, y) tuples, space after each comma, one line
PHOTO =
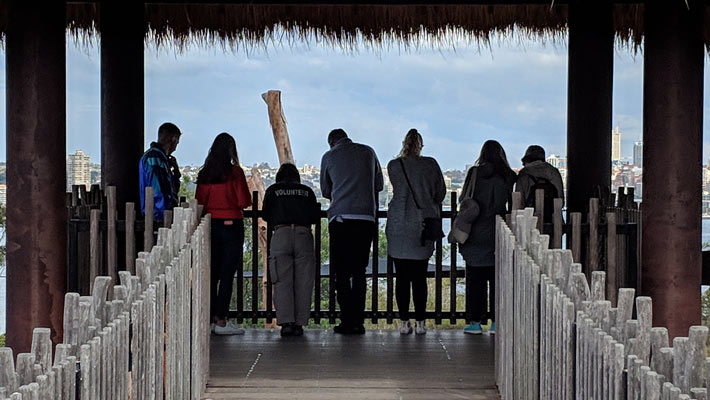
[(378, 365)]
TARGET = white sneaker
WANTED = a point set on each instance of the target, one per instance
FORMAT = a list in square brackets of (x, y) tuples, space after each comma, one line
[(420, 328), (212, 325), (405, 328), (228, 329)]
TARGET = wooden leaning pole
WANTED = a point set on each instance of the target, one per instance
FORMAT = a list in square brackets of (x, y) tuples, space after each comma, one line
[(272, 98)]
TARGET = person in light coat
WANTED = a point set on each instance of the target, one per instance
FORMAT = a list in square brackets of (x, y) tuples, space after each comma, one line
[(412, 202)]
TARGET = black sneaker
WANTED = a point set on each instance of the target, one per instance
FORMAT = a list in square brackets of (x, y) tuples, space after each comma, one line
[(297, 330), (287, 330), (343, 329)]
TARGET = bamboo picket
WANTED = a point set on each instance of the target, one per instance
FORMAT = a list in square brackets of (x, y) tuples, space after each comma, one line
[(558, 337), (144, 336)]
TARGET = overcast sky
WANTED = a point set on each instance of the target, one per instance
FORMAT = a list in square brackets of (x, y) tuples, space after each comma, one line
[(513, 91)]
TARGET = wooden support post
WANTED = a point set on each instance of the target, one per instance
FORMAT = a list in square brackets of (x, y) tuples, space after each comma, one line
[(95, 246), (540, 208), (131, 237), (576, 239), (149, 212), (35, 54), (611, 260), (593, 249), (672, 142), (557, 225)]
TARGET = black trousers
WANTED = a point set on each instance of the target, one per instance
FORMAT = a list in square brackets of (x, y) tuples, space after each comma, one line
[(227, 254), (350, 243), (480, 293), (411, 273)]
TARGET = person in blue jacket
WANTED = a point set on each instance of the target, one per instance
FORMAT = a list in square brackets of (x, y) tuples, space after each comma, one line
[(159, 169)]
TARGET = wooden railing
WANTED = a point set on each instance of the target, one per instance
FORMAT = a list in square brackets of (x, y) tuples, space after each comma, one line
[(560, 337), (145, 338)]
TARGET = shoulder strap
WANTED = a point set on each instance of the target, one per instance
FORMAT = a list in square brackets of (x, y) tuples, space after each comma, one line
[(470, 184), (414, 197)]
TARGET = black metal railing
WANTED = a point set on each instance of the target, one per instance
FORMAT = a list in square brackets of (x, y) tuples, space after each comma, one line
[(256, 302), (261, 302)]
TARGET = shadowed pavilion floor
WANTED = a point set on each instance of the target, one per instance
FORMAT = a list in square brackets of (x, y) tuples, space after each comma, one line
[(379, 365)]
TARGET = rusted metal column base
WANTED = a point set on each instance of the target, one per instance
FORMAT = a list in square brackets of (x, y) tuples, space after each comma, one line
[(589, 89), (672, 140), (36, 177), (122, 99)]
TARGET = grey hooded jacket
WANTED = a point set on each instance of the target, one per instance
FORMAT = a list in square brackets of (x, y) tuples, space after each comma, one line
[(538, 169)]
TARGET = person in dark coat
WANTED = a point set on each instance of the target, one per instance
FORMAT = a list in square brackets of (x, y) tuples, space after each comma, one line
[(490, 184)]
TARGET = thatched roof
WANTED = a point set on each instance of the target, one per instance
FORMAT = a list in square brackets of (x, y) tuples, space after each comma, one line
[(342, 24)]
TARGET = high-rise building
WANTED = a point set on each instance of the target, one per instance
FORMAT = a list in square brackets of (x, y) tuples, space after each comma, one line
[(616, 144), (78, 169), (556, 161), (638, 154)]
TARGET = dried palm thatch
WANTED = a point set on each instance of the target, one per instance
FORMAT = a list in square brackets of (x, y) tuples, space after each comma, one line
[(348, 25)]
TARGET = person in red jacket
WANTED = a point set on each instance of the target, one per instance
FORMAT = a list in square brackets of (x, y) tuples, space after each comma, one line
[(222, 190)]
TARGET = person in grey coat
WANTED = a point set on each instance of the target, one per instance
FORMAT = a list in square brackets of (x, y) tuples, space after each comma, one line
[(413, 201), (492, 190), (351, 178), (539, 174)]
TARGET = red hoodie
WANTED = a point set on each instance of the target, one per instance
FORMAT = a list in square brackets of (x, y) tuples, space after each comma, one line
[(225, 200)]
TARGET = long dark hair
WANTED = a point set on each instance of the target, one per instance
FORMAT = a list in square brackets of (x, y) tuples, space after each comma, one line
[(220, 160), (492, 153)]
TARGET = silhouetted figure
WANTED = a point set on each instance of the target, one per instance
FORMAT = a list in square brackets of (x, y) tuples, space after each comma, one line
[(159, 169), (351, 178), (539, 174), (290, 209), (419, 189), (222, 190), (490, 184)]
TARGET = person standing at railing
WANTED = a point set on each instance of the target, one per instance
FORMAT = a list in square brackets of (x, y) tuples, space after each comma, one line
[(222, 190), (159, 168), (490, 184), (419, 189), (539, 174), (290, 208), (351, 179)]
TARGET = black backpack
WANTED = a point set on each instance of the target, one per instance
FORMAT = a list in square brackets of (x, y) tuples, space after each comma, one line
[(550, 195)]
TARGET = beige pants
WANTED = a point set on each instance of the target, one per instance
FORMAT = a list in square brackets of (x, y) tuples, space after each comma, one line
[(292, 269)]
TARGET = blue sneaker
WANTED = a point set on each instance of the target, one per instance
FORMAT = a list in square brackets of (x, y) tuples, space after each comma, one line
[(473, 329), (492, 331)]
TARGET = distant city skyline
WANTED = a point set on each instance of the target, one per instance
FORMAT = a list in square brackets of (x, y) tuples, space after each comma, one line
[(513, 90)]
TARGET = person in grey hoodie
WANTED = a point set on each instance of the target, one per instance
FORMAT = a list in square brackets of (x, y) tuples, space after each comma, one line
[(419, 189), (492, 190), (351, 178), (539, 174)]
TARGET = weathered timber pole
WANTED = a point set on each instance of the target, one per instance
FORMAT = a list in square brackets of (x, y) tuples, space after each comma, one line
[(589, 90), (278, 126), (122, 36), (36, 172), (272, 98), (672, 135)]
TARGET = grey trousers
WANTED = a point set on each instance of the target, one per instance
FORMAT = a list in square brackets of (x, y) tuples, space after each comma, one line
[(292, 269)]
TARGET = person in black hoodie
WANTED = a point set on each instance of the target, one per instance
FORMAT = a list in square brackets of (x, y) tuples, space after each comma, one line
[(290, 209), (490, 184)]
